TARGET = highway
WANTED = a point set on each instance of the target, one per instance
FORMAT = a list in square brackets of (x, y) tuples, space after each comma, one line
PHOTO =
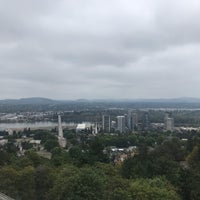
[(4, 197)]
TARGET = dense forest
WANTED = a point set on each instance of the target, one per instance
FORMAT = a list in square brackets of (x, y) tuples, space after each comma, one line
[(166, 167)]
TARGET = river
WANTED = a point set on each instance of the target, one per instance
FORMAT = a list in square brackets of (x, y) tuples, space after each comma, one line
[(5, 126)]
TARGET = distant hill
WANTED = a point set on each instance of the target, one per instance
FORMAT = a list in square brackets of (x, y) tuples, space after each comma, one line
[(46, 101), (163, 100), (171, 100), (34, 100)]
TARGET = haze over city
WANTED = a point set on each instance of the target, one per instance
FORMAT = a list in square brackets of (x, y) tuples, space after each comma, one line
[(99, 49)]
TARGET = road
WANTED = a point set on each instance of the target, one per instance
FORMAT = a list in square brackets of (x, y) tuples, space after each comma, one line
[(4, 197)]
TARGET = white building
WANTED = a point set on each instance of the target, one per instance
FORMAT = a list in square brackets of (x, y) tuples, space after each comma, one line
[(106, 124), (121, 124), (80, 127), (169, 123), (3, 142)]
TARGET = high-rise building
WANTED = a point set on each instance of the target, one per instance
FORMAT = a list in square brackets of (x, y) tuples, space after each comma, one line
[(167, 115), (145, 122), (106, 123), (126, 120), (132, 120), (169, 124), (129, 120), (121, 124)]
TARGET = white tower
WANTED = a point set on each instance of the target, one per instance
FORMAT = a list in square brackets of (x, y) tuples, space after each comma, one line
[(62, 141), (60, 130)]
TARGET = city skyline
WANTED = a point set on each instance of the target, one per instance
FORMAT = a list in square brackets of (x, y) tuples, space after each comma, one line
[(99, 49)]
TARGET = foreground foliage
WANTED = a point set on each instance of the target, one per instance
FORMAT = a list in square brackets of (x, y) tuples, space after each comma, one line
[(84, 172)]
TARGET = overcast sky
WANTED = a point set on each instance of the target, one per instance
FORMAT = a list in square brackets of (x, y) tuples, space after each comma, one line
[(72, 49)]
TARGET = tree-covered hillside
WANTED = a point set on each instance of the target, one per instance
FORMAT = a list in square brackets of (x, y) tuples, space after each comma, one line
[(165, 167)]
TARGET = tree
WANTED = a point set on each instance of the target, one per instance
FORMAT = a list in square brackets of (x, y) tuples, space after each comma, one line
[(117, 188), (59, 156), (43, 181), (192, 180), (4, 158), (10, 147), (137, 167), (26, 183), (50, 144), (80, 157), (96, 149), (162, 166), (194, 158), (33, 157), (185, 184), (88, 185), (71, 183), (153, 189), (149, 165), (170, 149), (26, 145), (8, 179)]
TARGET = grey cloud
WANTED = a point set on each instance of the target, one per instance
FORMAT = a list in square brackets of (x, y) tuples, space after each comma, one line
[(99, 49)]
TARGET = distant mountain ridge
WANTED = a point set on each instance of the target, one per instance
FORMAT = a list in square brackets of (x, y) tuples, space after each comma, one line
[(33, 100), (172, 100), (41, 100)]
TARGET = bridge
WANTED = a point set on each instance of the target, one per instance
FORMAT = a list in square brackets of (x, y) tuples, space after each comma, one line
[(4, 197)]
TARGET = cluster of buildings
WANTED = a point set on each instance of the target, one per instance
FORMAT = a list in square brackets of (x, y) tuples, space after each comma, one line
[(118, 155), (25, 116), (129, 122), (122, 124)]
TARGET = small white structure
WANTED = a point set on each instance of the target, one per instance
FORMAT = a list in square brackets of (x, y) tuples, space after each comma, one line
[(5, 197), (10, 131), (3, 142), (80, 127), (37, 142)]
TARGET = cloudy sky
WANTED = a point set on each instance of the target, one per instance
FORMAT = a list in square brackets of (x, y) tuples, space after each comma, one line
[(71, 49)]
